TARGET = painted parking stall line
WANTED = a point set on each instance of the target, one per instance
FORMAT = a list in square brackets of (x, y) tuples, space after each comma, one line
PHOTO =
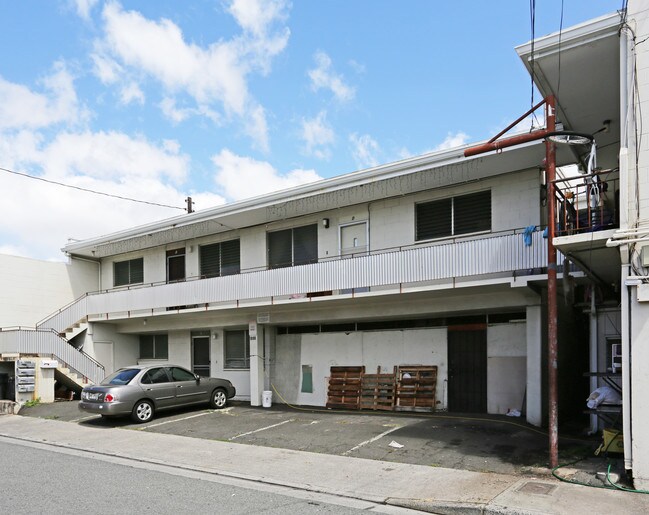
[(377, 437), (262, 429), (221, 411)]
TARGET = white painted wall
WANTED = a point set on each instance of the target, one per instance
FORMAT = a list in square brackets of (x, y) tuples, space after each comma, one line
[(638, 19), (371, 349), (506, 367), (126, 347), (31, 289), (514, 204)]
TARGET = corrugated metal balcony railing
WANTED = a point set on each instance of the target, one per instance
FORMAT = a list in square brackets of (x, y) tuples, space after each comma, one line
[(44, 342), (469, 258)]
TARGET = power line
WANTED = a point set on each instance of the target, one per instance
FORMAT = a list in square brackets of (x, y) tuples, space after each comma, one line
[(89, 190)]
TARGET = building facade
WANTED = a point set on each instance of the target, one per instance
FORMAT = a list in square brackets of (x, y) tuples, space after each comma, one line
[(438, 260)]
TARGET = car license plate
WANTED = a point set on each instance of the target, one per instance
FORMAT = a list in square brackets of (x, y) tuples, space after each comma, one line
[(93, 396)]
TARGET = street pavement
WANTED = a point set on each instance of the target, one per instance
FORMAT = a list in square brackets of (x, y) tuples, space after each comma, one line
[(431, 489)]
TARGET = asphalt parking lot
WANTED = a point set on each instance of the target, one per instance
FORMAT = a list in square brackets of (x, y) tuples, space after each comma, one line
[(484, 444)]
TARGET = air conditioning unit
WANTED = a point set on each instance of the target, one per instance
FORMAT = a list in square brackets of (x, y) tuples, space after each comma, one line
[(616, 357)]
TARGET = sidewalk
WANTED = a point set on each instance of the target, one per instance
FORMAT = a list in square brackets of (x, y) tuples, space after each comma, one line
[(431, 489)]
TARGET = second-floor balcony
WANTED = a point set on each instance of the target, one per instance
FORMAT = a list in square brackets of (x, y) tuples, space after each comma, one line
[(505, 258), (587, 209)]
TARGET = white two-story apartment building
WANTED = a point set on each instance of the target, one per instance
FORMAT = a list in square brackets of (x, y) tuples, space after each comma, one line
[(438, 260)]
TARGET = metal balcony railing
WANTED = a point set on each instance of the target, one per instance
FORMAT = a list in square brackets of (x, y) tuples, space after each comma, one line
[(475, 256), (45, 342), (587, 203)]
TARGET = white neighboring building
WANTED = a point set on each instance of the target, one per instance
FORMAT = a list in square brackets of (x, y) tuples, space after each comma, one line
[(32, 289)]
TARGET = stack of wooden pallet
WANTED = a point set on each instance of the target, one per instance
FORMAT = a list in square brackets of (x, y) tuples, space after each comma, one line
[(377, 391), (345, 387), (408, 388), (416, 388)]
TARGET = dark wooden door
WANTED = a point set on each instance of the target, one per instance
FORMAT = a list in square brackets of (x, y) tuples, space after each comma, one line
[(175, 265), (467, 370)]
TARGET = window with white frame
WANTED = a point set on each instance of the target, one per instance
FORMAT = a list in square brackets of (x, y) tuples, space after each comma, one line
[(237, 350), (128, 272), (154, 346), (453, 216)]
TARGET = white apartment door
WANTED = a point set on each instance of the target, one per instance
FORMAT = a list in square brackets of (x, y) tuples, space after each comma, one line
[(353, 239)]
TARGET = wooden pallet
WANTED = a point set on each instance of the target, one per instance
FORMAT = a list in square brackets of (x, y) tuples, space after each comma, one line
[(416, 388), (378, 391), (344, 389)]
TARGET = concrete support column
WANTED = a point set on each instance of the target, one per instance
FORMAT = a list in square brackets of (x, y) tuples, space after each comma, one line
[(256, 363), (534, 366)]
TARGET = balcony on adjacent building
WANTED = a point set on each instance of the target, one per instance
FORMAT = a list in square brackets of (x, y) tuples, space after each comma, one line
[(587, 209)]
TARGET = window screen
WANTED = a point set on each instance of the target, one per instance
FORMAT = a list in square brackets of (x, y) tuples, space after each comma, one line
[(291, 247), (237, 349), (128, 272), (464, 214), (154, 346)]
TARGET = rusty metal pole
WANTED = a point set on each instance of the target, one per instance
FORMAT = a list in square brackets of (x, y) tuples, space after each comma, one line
[(550, 170), (553, 396)]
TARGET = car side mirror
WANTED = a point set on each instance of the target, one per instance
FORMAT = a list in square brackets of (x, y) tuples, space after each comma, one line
[(198, 378)]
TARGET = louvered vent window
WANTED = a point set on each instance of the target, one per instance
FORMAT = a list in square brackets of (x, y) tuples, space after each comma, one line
[(454, 216), (128, 272), (219, 259), (292, 247)]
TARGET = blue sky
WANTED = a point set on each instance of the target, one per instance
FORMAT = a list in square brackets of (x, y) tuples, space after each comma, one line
[(227, 99)]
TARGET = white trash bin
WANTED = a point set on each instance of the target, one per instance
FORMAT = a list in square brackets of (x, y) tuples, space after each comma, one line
[(267, 398)]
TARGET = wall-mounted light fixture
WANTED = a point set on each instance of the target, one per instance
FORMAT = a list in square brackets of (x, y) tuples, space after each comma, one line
[(325, 223)]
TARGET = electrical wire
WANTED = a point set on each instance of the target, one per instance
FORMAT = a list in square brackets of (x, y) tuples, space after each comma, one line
[(559, 57), (87, 190)]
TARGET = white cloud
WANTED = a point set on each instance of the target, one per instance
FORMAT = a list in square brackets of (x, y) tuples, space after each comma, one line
[(37, 217), (106, 69), (130, 93), (257, 128), (256, 16), (317, 134), (112, 156), (452, 140), (365, 150), (213, 75), (22, 108), (324, 77), (84, 7), (242, 177)]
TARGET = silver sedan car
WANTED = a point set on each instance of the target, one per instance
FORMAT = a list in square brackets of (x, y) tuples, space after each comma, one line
[(140, 391)]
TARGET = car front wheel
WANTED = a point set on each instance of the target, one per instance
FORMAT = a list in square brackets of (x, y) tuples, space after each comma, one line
[(219, 399), (142, 412)]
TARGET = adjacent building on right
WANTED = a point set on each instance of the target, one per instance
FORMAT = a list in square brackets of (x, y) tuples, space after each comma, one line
[(599, 74)]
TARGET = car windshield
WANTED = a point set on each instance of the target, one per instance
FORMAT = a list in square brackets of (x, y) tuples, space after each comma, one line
[(123, 376)]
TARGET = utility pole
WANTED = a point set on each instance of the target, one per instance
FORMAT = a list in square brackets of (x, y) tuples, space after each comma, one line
[(190, 205)]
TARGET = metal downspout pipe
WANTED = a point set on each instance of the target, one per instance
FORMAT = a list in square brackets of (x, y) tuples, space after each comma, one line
[(625, 215)]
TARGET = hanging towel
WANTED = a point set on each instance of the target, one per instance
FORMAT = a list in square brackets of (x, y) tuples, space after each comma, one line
[(527, 235)]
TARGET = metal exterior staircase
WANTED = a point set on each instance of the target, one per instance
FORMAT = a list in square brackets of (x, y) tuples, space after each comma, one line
[(74, 364)]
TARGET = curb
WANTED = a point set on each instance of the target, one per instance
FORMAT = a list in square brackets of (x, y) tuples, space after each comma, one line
[(9, 408)]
